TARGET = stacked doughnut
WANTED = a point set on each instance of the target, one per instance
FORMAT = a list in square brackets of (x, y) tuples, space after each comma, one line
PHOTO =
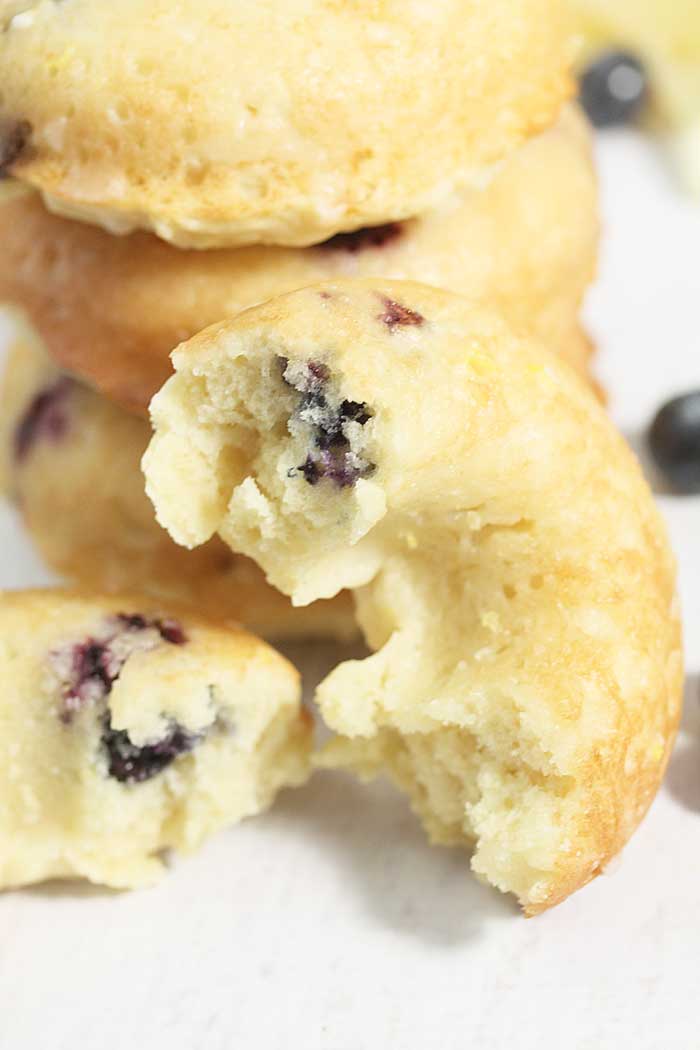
[(433, 466)]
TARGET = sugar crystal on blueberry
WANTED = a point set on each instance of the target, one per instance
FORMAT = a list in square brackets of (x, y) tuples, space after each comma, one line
[(332, 456)]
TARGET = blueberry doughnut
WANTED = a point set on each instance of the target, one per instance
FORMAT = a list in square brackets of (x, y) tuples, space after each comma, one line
[(215, 123), (70, 461), (111, 309), (511, 572), (128, 729)]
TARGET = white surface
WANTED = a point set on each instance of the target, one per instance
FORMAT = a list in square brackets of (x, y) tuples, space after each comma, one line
[(329, 924)]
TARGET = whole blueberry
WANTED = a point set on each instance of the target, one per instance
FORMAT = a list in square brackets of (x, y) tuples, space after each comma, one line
[(674, 440), (614, 89)]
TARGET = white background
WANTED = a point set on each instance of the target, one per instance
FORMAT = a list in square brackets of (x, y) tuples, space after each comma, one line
[(330, 924)]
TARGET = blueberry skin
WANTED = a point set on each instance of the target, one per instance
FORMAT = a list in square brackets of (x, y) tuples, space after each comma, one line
[(674, 441), (614, 89), (130, 764)]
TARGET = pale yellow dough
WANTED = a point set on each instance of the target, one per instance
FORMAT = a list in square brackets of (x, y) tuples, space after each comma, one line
[(79, 794), (510, 568), (111, 309), (225, 122), (70, 461)]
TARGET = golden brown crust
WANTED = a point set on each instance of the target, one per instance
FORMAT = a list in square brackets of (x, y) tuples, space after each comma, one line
[(111, 309), (145, 116), (53, 605)]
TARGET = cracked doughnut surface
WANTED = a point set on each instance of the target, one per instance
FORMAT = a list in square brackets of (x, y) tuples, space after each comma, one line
[(128, 729), (110, 309), (149, 115), (511, 571), (70, 461)]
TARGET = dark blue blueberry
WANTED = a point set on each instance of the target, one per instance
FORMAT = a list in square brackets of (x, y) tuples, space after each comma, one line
[(337, 464), (331, 434), (14, 139), (312, 401), (396, 315), (614, 89), (355, 411), (674, 441), (170, 630), (310, 469), (332, 456), (91, 677), (366, 237), (46, 417), (130, 764)]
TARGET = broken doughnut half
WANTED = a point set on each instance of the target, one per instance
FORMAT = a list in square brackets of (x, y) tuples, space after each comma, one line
[(128, 729), (511, 572)]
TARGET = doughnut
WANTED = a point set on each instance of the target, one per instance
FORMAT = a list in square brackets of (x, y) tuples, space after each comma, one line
[(172, 118), (111, 309), (511, 572)]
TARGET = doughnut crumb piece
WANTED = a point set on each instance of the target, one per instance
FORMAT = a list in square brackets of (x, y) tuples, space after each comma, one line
[(127, 729), (511, 572)]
